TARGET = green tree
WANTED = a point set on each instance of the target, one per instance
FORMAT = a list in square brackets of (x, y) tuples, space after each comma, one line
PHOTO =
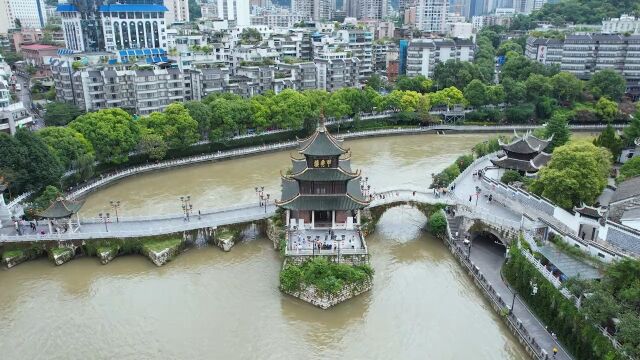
[(515, 91), (449, 96), (177, 128), (456, 73), (437, 224), (11, 57), (566, 87), (67, 144), (509, 46), (609, 140), (12, 170), (511, 176), (476, 93), (632, 131), (606, 109), (46, 198), (417, 83), (112, 132), (60, 114), (40, 164), (153, 145), (576, 174), (607, 83), (375, 82), (230, 115), (410, 101), (201, 113), (537, 86), (631, 168), (557, 127), (290, 109)]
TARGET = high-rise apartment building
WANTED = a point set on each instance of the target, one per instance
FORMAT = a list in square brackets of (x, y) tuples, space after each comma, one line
[(318, 10), (237, 12), (177, 11), (372, 9), (432, 15), (30, 13)]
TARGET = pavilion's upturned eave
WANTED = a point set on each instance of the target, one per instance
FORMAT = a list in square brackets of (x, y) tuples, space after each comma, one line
[(61, 209), (323, 202), (324, 174), (515, 164)]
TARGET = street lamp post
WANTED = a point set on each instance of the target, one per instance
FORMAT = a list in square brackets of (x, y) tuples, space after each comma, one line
[(115, 205), (259, 192), (187, 207), (513, 302), (105, 219), (263, 198)]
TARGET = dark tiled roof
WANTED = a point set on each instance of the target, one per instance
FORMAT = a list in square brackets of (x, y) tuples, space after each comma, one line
[(588, 211), (321, 143), (290, 189), (514, 164), (627, 189), (322, 202), (61, 209), (541, 159), (527, 144), (298, 165)]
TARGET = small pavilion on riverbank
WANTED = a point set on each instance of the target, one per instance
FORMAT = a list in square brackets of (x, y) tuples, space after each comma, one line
[(323, 198), (62, 215), (525, 154)]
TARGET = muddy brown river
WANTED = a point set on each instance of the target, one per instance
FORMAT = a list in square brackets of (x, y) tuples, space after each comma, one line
[(207, 304)]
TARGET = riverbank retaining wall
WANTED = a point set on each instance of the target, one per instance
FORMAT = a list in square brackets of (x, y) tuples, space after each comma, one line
[(495, 299)]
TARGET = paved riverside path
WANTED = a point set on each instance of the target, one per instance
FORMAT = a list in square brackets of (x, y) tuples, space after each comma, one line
[(489, 258)]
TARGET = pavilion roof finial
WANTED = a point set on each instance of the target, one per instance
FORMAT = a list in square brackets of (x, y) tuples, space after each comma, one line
[(321, 121)]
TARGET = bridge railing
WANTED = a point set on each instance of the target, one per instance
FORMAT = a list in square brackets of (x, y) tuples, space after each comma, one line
[(153, 229), (178, 216), (336, 252)]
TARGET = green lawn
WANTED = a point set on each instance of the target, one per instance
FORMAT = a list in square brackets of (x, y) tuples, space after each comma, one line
[(161, 244), (12, 253)]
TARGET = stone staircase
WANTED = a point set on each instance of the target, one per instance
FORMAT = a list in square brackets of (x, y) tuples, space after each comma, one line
[(454, 226)]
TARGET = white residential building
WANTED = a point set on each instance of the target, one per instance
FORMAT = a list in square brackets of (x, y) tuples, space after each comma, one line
[(31, 13), (235, 11), (178, 11), (432, 15), (372, 9), (623, 24), (133, 26), (424, 54)]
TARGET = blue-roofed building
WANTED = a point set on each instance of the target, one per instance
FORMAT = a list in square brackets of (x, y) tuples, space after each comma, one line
[(134, 26), (104, 25)]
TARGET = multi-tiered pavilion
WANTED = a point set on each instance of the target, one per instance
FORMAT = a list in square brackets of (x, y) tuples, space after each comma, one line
[(323, 198), (524, 154)]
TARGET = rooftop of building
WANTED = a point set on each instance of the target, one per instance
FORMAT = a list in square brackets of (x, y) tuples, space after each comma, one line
[(39, 47), (626, 190), (526, 144)]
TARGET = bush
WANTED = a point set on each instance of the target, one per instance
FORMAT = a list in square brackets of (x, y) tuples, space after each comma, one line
[(629, 169), (464, 161), (582, 339), (510, 176), (327, 277), (437, 224), (446, 177)]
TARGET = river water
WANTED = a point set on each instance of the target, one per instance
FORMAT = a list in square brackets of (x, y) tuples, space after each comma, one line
[(207, 304)]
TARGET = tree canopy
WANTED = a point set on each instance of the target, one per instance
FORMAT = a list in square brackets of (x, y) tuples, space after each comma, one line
[(60, 114), (607, 83), (610, 141), (176, 127), (39, 163), (67, 144), (631, 168), (576, 174), (112, 132)]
